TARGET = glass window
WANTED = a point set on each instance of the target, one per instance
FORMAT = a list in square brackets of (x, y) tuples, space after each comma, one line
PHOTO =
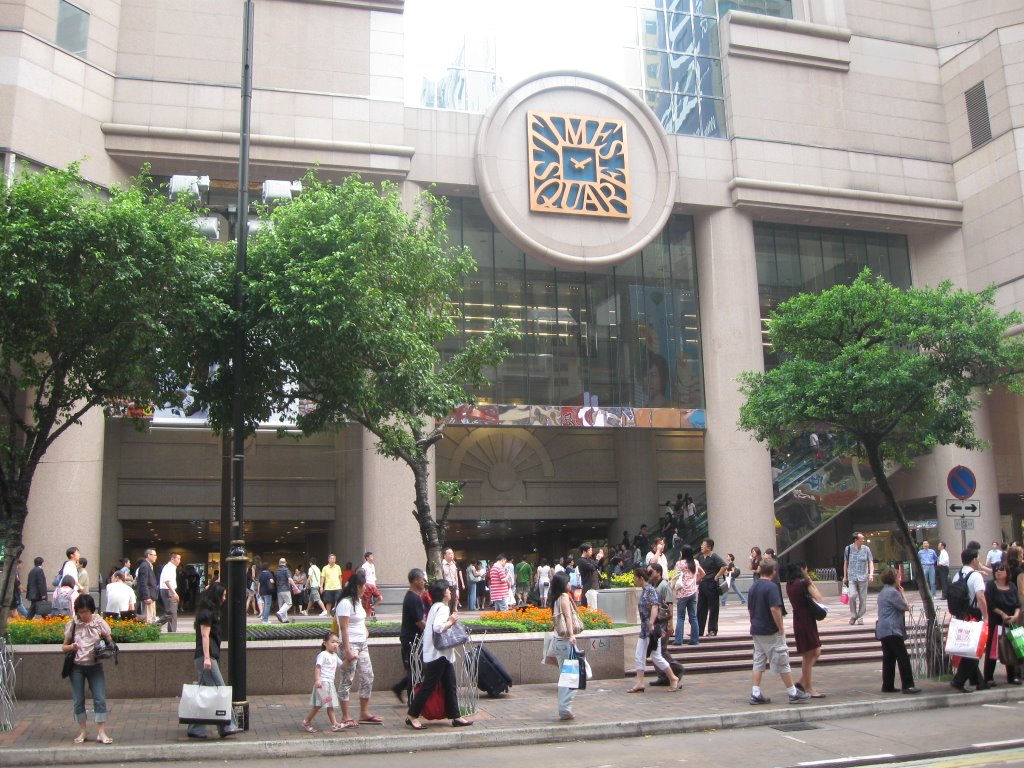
[(793, 260), (627, 335), (72, 28)]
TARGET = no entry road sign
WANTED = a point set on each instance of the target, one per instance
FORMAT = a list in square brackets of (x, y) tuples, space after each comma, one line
[(961, 482)]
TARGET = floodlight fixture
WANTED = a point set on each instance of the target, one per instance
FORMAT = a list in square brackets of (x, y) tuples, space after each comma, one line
[(209, 226), (190, 188), (275, 191)]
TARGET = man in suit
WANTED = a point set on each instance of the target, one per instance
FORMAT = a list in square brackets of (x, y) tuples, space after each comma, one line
[(147, 586), (36, 590)]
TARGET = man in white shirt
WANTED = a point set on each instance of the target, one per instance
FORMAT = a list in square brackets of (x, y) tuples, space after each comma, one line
[(70, 568), (942, 568), (120, 597), (169, 592), (995, 555), (967, 670), (371, 595), (314, 581)]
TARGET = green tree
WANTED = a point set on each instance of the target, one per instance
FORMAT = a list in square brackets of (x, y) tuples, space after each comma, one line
[(898, 371), (103, 298), (355, 296)]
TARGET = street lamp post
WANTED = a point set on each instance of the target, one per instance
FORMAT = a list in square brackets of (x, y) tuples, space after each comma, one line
[(238, 558)]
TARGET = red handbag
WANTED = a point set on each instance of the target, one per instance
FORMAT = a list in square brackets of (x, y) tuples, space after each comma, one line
[(434, 709)]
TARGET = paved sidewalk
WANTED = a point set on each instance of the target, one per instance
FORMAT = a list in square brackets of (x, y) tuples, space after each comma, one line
[(43, 735)]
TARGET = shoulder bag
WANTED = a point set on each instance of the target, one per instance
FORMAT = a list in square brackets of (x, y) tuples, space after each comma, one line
[(818, 611), (562, 629), (69, 656), (454, 636)]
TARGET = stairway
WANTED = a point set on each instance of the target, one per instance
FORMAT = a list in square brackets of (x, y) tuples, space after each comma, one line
[(840, 644)]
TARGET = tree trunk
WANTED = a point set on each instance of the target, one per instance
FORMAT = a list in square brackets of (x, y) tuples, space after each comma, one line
[(933, 648), (425, 518), (13, 548)]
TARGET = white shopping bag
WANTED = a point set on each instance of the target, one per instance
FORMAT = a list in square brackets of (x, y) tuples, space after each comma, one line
[(966, 638), (570, 675), (205, 704)]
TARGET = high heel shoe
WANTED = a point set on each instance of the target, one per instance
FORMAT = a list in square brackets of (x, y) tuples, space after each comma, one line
[(414, 726)]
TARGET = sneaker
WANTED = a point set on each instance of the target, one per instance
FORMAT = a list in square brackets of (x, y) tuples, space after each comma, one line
[(760, 699), (801, 697), (860, 621), (324, 613)]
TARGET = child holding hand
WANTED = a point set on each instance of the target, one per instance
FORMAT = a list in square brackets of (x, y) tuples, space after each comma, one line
[(324, 693)]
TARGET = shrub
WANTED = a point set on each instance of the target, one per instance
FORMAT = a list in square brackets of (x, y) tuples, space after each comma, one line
[(51, 630), (534, 619)]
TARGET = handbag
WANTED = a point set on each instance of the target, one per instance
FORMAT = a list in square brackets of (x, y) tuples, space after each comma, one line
[(44, 608), (205, 704), (69, 662), (562, 629), (723, 587), (1015, 632), (454, 636), (818, 611), (547, 654), (966, 638), (106, 650)]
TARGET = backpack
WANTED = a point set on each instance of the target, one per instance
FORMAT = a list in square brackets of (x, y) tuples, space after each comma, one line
[(958, 596)]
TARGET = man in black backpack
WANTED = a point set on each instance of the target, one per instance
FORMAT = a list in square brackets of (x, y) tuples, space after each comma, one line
[(971, 605)]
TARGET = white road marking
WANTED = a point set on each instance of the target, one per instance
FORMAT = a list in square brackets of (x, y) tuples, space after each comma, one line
[(998, 706), (846, 759), (793, 738), (996, 743)]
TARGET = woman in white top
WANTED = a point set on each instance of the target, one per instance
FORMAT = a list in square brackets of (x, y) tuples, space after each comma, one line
[(353, 634), (437, 662), (543, 581)]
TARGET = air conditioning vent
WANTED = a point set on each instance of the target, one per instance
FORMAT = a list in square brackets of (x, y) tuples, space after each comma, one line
[(977, 115)]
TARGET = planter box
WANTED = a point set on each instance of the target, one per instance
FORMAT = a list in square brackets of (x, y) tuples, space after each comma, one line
[(620, 603), (158, 670)]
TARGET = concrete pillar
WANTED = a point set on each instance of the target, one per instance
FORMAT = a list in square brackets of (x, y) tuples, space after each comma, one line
[(638, 503), (982, 463), (66, 499), (738, 469), (377, 496)]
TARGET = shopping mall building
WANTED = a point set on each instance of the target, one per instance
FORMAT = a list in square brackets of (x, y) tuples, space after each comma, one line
[(640, 182)]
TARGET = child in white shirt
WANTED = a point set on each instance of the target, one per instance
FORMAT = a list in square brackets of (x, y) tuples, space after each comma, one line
[(324, 693)]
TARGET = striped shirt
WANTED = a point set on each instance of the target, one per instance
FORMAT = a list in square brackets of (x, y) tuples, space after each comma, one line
[(498, 583)]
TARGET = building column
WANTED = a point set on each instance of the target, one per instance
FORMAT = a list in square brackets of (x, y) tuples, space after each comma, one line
[(987, 527), (377, 497), (637, 488), (738, 469)]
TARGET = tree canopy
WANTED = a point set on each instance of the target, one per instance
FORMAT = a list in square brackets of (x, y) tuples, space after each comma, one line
[(899, 371), (104, 297), (355, 295)]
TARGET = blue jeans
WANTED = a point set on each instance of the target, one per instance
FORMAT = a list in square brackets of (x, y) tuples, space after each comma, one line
[(471, 596), (97, 684), (929, 575), (686, 611), (736, 589), (499, 605), (565, 695), (265, 615)]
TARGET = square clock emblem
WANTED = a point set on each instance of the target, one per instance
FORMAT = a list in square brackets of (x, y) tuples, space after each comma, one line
[(578, 165)]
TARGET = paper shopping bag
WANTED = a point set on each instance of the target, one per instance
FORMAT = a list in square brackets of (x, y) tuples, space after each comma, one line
[(966, 638), (205, 704), (1016, 634), (584, 667), (570, 674)]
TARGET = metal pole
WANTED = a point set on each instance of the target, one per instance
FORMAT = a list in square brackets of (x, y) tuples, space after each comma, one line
[(238, 558)]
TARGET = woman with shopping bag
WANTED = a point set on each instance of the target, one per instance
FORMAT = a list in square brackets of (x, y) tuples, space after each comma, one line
[(207, 653), (1003, 610), (566, 625)]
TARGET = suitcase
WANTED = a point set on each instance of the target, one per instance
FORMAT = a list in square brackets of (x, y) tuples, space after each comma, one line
[(491, 676)]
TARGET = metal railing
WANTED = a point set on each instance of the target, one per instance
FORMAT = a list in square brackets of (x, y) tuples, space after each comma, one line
[(8, 678), (917, 642)]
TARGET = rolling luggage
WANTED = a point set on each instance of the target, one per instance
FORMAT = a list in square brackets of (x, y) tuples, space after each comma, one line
[(491, 676)]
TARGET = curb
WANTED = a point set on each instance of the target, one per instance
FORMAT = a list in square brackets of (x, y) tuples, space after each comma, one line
[(554, 732)]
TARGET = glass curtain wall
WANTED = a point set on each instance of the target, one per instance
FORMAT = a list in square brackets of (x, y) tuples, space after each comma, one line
[(792, 260), (616, 336), (460, 54)]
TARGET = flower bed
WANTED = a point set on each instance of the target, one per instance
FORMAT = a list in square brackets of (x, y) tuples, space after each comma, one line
[(51, 630), (534, 619)]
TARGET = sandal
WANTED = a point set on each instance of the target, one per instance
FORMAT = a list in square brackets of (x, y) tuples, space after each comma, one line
[(372, 720), (636, 689), (415, 726), (351, 724), (104, 740), (308, 727), (337, 727), (80, 738)]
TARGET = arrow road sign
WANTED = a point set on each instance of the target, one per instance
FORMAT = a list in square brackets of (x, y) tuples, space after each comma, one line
[(958, 508), (963, 524)]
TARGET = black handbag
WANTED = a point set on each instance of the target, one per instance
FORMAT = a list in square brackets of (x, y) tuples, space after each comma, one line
[(69, 662), (106, 650), (818, 611)]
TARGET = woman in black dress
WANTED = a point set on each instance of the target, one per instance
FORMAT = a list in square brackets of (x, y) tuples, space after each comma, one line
[(1003, 608), (805, 629)]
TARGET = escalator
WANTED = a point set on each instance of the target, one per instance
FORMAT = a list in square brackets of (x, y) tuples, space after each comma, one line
[(819, 496)]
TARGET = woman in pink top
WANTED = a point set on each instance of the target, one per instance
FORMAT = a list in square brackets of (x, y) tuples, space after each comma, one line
[(688, 574)]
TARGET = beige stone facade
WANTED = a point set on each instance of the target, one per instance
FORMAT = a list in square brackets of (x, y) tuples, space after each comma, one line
[(851, 115)]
